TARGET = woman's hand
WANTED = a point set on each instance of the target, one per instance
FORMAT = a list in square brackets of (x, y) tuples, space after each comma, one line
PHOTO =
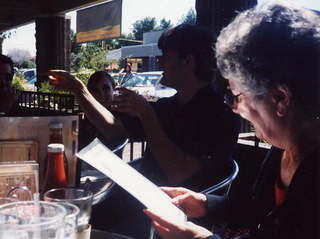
[(63, 80), (192, 203), (129, 102), (168, 230)]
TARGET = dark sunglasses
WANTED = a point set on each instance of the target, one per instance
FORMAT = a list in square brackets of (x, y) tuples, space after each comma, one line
[(230, 98)]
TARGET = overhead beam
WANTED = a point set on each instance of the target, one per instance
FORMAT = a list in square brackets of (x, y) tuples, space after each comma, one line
[(14, 13)]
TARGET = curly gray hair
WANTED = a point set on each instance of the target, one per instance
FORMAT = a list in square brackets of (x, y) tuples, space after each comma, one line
[(274, 44)]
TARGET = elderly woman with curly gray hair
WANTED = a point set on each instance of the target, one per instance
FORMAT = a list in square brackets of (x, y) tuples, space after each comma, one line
[(270, 56)]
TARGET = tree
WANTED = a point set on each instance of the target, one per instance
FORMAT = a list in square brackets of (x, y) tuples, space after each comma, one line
[(147, 24), (75, 52), (189, 18), (3, 36), (19, 56), (165, 24)]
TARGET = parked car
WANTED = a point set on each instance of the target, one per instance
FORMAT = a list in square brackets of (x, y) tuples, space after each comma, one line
[(31, 84), (148, 84), (28, 74)]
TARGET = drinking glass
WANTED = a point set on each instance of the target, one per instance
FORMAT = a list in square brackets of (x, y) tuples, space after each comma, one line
[(70, 219), (21, 193), (7, 200), (79, 197), (32, 220)]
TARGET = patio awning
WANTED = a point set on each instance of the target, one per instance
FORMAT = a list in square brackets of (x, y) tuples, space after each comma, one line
[(14, 13)]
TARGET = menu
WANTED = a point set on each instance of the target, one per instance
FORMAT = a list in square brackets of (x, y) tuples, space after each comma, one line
[(99, 156)]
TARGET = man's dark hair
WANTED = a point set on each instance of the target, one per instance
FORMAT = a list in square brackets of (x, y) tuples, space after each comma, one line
[(7, 60), (186, 39), (99, 74)]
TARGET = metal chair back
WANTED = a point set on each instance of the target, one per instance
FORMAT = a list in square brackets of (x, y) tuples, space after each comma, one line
[(226, 183)]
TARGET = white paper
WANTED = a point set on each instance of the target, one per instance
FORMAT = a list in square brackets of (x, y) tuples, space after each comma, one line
[(99, 156)]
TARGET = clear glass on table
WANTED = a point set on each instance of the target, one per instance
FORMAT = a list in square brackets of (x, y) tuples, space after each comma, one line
[(32, 220)]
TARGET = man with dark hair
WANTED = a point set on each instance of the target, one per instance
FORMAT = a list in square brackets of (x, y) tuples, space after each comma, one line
[(7, 98), (186, 39), (9, 105), (190, 136)]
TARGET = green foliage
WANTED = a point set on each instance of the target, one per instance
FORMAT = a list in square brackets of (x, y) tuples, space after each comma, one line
[(165, 24), (46, 87), (7, 34), (189, 18), (75, 47), (75, 56), (147, 24), (19, 83), (91, 55), (27, 64), (84, 76)]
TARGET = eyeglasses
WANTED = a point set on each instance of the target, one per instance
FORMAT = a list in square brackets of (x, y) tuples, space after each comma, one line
[(230, 98)]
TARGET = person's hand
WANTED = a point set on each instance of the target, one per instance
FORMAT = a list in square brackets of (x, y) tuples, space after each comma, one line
[(168, 230), (63, 80), (130, 102), (192, 203)]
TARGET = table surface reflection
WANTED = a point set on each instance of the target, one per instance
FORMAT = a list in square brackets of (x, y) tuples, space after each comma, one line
[(98, 234)]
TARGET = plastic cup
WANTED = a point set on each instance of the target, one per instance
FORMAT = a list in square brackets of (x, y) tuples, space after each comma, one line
[(70, 220), (32, 220), (79, 197)]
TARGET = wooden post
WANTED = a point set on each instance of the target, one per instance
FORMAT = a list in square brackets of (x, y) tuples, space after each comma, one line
[(52, 44)]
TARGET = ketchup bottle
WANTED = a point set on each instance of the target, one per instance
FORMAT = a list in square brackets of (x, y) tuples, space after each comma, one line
[(56, 175)]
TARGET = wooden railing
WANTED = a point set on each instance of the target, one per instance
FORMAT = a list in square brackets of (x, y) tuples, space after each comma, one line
[(64, 103)]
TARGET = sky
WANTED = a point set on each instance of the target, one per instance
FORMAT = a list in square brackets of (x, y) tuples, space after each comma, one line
[(132, 10)]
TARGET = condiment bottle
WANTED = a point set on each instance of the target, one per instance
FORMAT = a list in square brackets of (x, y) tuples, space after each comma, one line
[(55, 135), (56, 175)]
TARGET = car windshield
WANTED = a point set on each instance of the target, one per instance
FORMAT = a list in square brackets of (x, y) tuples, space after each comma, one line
[(136, 80), (143, 80), (150, 79)]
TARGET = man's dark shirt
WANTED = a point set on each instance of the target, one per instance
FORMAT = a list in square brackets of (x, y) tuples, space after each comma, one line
[(205, 128)]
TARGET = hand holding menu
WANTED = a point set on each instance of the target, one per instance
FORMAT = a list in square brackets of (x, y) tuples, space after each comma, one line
[(99, 156)]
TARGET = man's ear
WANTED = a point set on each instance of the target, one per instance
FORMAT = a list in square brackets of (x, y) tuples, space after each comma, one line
[(282, 99), (189, 60)]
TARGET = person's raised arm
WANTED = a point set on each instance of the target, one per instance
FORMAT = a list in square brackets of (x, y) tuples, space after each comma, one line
[(109, 126), (177, 164)]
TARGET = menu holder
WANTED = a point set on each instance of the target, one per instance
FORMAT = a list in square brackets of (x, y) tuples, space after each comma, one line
[(18, 174), (18, 150)]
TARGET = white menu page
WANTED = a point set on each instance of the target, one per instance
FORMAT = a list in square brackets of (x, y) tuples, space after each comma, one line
[(99, 156)]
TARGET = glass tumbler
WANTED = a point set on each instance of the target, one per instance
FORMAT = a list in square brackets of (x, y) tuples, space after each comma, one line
[(79, 197), (32, 220), (70, 220)]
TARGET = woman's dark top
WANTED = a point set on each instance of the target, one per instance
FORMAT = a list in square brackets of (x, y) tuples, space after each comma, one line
[(296, 217)]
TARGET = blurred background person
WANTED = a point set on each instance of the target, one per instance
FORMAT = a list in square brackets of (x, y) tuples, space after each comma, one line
[(101, 85), (8, 103), (126, 74)]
